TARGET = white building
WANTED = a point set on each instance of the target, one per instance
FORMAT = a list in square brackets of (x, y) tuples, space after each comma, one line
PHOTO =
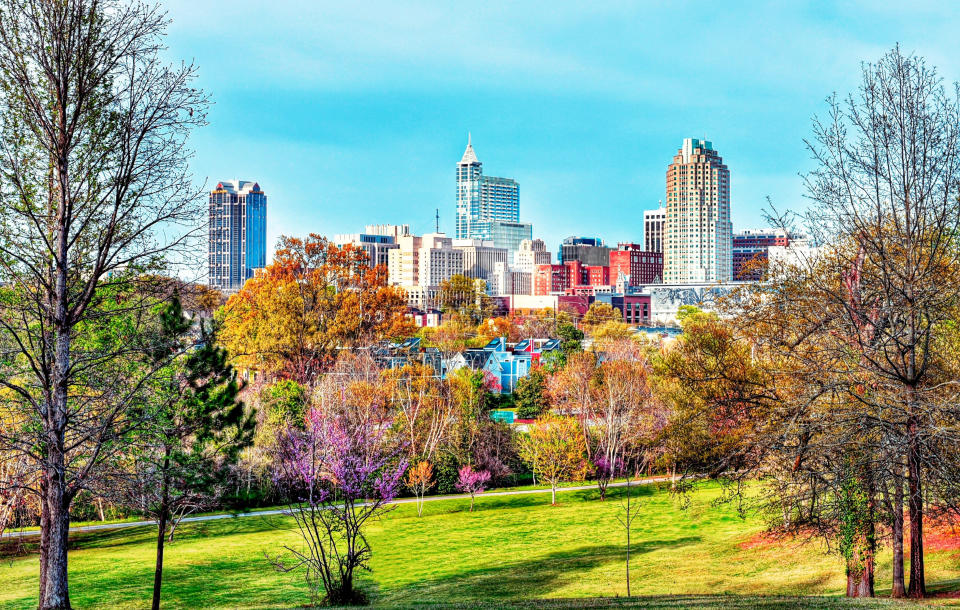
[(532, 252), (376, 246), (508, 282), (698, 234), (653, 221), (419, 264), (480, 257)]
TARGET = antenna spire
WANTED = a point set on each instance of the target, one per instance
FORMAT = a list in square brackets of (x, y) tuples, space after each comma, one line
[(438, 219)]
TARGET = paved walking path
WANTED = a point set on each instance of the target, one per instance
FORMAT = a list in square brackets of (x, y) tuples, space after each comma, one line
[(269, 513)]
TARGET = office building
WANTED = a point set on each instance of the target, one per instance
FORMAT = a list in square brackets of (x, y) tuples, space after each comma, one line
[(637, 265), (530, 254), (750, 251), (480, 257), (653, 221), (587, 250), (698, 236), (393, 231), (487, 207), (420, 263), (376, 246), (237, 233)]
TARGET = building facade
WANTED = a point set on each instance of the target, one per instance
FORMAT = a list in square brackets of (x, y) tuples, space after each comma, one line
[(751, 251), (587, 250), (698, 235), (237, 233), (653, 221), (376, 246), (530, 254), (484, 199), (480, 257), (638, 265)]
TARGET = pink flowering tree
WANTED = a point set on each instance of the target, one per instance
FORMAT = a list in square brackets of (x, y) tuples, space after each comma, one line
[(472, 482), (338, 475)]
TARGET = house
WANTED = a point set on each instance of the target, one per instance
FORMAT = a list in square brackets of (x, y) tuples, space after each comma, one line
[(502, 362)]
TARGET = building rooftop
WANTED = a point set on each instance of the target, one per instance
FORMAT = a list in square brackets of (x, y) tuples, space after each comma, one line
[(239, 187)]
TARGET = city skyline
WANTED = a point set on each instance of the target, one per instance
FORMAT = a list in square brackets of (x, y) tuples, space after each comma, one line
[(357, 117)]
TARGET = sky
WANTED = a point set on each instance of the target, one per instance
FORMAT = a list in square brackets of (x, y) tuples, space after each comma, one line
[(355, 113)]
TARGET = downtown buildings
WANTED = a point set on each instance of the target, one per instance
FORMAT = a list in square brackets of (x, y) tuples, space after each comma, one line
[(237, 233)]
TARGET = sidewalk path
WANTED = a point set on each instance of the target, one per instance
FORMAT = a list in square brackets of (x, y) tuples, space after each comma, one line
[(269, 513)]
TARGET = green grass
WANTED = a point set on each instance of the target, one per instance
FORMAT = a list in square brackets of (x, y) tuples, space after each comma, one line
[(512, 551)]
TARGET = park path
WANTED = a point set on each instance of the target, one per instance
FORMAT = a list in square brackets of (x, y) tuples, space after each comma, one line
[(274, 512)]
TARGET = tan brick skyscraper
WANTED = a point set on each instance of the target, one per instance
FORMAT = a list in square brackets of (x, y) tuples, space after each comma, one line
[(698, 234)]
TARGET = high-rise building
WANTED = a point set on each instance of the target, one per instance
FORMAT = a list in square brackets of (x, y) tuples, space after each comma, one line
[(750, 251), (487, 207), (237, 233), (587, 250), (530, 254), (697, 239), (653, 221)]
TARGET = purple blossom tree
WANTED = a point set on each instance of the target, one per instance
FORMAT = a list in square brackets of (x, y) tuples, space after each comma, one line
[(472, 482), (338, 474)]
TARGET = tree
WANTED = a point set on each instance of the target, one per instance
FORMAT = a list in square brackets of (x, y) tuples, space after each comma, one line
[(339, 475), (197, 427), (312, 300), (95, 192), (556, 450), (887, 183), (600, 313), (627, 418), (531, 394), (420, 480), (472, 482), (424, 409), (465, 297)]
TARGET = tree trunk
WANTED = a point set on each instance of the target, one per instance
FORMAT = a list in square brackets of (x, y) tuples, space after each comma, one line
[(860, 576), (44, 540), (917, 588), (553, 495), (56, 594), (158, 571), (898, 589)]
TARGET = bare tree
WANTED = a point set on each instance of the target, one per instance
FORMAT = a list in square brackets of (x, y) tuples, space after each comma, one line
[(94, 194), (886, 182)]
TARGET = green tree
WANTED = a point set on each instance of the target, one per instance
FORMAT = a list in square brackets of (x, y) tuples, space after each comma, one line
[(531, 394), (197, 428)]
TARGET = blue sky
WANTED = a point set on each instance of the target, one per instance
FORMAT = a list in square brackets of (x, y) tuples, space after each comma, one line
[(351, 113)]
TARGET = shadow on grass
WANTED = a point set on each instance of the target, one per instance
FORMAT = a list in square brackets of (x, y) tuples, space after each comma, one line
[(679, 601), (531, 578)]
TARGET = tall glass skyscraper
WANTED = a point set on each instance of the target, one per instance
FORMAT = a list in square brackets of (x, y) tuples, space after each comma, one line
[(238, 233), (485, 202)]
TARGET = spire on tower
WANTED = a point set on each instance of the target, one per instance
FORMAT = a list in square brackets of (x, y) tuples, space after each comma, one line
[(469, 157)]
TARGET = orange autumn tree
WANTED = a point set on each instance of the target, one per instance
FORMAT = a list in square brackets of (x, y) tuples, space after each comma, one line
[(316, 297), (556, 451)]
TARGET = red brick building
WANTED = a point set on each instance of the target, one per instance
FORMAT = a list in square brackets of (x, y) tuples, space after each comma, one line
[(640, 266), (550, 278)]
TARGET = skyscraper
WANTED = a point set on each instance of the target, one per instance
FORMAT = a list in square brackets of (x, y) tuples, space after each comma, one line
[(488, 207), (237, 233), (698, 234)]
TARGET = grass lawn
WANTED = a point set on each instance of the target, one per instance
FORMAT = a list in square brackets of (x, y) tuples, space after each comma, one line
[(513, 550)]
